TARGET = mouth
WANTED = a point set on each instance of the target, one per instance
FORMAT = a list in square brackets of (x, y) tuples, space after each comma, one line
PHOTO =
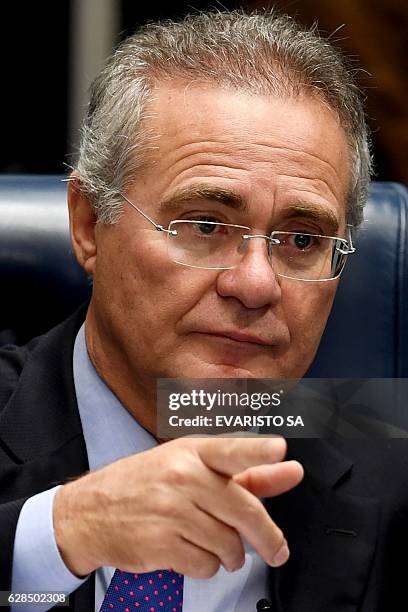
[(239, 337)]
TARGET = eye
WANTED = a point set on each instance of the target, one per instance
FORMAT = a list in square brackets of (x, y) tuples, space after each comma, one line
[(207, 228), (302, 241)]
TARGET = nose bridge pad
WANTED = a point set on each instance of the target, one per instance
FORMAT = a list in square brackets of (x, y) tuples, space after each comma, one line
[(270, 247), (246, 238), (242, 247)]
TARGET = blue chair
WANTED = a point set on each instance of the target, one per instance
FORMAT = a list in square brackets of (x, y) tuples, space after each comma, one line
[(41, 282), (367, 333)]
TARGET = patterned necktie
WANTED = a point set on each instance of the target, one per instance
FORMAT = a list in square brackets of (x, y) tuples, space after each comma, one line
[(160, 591)]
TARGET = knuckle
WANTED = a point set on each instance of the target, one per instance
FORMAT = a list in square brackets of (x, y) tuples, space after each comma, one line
[(235, 558), (252, 511), (176, 474), (234, 543), (239, 561), (205, 567), (165, 505), (273, 446), (231, 549), (226, 452)]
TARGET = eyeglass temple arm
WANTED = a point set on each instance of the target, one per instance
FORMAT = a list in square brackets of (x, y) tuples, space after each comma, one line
[(350, 239), (159, 228), (348, 244)]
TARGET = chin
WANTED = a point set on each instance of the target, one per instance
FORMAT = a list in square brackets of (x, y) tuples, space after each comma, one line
[(231, 371), (275, 370), (203, 370)]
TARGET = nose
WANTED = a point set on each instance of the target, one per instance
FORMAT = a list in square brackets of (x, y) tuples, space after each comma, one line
[(253, 281)]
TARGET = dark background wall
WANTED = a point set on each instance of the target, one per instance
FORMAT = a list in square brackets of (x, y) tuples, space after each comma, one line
[(38, 41), (34, 60)]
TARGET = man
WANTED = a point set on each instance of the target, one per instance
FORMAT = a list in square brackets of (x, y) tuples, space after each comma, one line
[(219, 154)]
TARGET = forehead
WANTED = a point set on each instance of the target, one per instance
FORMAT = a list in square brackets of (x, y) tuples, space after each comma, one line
[(256, 146)]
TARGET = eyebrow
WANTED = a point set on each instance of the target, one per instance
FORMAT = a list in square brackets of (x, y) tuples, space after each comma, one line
[(204, 192), (230, 198), (316, 213)]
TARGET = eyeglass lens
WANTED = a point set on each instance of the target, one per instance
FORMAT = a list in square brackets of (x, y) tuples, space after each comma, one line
[(207, 244)]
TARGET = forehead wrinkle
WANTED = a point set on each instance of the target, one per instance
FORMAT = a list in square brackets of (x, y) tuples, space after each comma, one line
[(314, 187), (225, 147), (218, 148), (301, 153)]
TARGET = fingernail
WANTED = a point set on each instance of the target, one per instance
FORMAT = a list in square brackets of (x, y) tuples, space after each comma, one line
[(281, 556)]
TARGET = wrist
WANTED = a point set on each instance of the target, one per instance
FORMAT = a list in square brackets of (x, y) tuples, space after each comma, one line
[(71, 534)]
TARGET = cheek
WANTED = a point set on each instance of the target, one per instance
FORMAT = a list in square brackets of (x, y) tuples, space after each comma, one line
[(148, 293), (131, 267), (307, 307)]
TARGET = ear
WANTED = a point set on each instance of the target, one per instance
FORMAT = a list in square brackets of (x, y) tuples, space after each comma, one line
[(82, 224)]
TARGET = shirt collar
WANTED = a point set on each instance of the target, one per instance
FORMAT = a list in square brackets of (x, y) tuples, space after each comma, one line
[(110, 431)]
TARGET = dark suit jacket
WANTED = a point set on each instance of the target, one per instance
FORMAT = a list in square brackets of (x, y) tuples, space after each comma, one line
[(346, 524)]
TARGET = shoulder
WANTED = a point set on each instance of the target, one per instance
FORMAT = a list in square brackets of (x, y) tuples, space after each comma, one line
[(39, 361)]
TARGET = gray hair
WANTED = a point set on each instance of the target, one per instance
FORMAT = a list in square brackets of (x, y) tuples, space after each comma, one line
[(261, 53)]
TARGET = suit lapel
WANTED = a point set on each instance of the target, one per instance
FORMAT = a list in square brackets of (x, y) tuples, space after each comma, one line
[(83, 599), (42, 414), (41, 430), (331, 535)]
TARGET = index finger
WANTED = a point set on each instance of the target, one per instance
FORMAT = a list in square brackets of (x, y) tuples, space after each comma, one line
[(229, 456)]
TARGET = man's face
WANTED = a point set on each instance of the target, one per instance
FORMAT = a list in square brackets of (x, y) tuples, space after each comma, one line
[(281, 158)]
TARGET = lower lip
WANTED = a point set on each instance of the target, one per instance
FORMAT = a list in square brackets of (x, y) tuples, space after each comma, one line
[(225, 351), (240, 345)]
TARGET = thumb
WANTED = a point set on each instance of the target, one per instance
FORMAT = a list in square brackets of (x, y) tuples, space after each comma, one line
[(271, 480)]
